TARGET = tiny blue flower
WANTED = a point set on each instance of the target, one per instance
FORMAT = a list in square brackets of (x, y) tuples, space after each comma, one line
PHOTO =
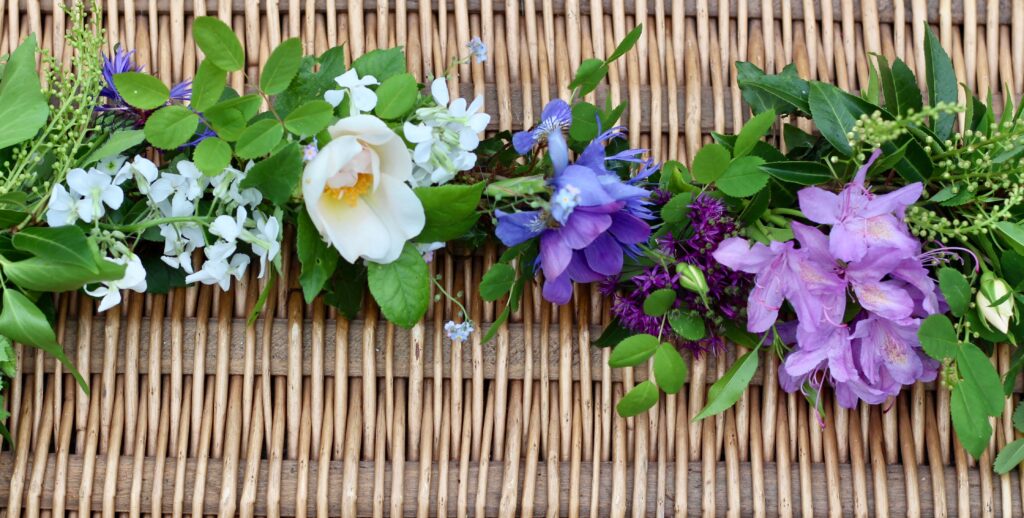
[(458, 332), (479, 50), (563, 202)]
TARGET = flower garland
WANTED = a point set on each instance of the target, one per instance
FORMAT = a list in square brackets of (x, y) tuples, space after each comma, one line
[(882, 251)]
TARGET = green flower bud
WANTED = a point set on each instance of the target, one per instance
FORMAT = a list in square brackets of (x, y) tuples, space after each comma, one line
[(691, 278), (995, 302)]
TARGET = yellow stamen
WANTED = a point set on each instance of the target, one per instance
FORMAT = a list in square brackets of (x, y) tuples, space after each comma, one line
[(351, 194)]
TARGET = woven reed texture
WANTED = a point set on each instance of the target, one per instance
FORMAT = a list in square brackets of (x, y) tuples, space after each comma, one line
[(303, 412)]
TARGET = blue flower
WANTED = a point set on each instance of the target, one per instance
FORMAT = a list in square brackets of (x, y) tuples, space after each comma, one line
[(478, 48), (556, 118)]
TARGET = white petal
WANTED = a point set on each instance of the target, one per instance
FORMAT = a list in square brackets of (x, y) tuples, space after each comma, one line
[(417, 133), (113, 196), (458, 108), (364, 99), (334, 97), (111, 299), (395, 159), (79, 181), (355, 231), (400, 210), (422, 153), (349, 79), (324, 165), (439, 90), (468, 140)]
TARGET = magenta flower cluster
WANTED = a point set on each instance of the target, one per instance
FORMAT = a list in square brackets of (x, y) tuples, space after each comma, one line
[(868, 257)]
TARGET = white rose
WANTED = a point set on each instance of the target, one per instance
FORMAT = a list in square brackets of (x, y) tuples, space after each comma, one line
[(356, 192)]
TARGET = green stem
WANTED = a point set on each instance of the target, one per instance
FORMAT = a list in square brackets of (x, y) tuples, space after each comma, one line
[(138, 227)]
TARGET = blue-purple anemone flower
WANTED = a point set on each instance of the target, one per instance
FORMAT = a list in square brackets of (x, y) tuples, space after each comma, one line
[(593, 218), (123, 61), (868, 256)]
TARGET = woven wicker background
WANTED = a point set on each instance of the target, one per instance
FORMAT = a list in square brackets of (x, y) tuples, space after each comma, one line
[(193, 411)]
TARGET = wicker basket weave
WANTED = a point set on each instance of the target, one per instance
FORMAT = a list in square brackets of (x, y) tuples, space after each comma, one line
[(302, 412)]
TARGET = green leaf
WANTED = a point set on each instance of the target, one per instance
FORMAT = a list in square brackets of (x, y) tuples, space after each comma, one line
[(689, 326), (969, 421), (171, 126), (955, 289), (899, 86), (743, 177), (753, 131), (259, 139), (23, 322), (346, 289), (627, 43), (638, 400), (212, 156), (589, 75), (669, 368), (659, 302), (677, 209), (710, 163), (380, 63), (310, 118), (1009, 457), (451, 210), (497, 282), (798, 172), (141, 90), (517, 186), (317, 258), (835, 112), (941, 81), (785, 93), (937, 337), (633, 350), (727, 390), (674, 177), (396, 96), (584, 122), (1013, 233), (401, 288), (207, 85), (281, 67), (276, 176), (229, 118), (46, 275), (1018, 417), (66, 244), (612, 334), (980, 378), (23, 107), (119, 142), (219, 43)]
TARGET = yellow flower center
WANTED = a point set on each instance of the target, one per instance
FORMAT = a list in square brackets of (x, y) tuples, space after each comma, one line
[(350, 195)]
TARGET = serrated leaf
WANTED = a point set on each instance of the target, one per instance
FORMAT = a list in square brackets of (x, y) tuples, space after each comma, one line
[(281, 67), (938, 337), (212, 156), (207, 85), (219, 43), (969, 421), (1009, 457), (743, 177), (276, 176), (497, 282), (396, 96), (402, 287), (753, 131), (689, 326), (710, 163), (171, 126), (955, 289), (310, 118), (633, 350), (980, 378), (141, 90), (259, 139), (119, 142), (450, 210)]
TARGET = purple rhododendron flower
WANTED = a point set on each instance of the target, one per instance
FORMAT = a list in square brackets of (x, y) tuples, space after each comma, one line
[(868, 256)]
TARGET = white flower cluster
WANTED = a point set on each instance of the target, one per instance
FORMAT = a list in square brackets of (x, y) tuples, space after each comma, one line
[(174, 195), (445, 137), (361, 98)]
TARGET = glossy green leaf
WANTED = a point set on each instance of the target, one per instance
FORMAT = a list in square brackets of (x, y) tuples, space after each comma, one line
[(1009, 457), (710, 163), (396, 96), (938, 337), (497, 282), (141, 90), (835, 112), (23, 322), (941, 81), (689, 326), (317, 258), (207, 85), (753, 131), (633, 350), (118, 142), (638, 400), (969, 420), (627, 43), (66, 244), (310, 118), (23, 107), (276, 176), (980, 378), (785, 93), (727, 390), (451, 210), (669, 368), (659, 302), (798, 172), (259, 139), (955, 289)]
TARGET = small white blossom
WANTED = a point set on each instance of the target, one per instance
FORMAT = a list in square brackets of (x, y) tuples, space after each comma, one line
[(427, 249), (446, 136), (221, 264), (142, 170), (180, 240), (266, 240), (228, 228), (62, 208), (362, 99), (98, 191), (110, 291)]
